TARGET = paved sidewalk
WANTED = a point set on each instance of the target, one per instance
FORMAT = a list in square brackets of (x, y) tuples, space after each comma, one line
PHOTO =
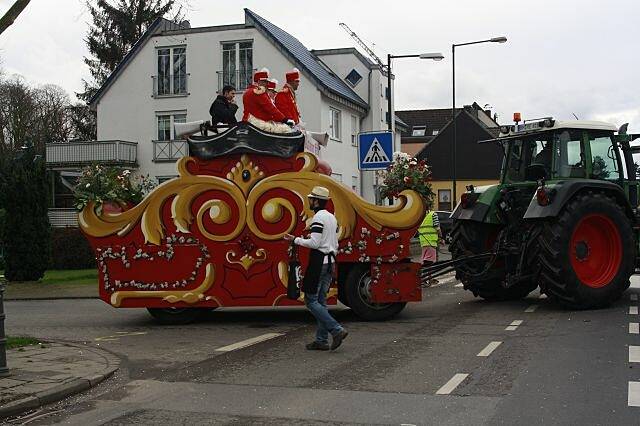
[(46, 373), (33, 291)]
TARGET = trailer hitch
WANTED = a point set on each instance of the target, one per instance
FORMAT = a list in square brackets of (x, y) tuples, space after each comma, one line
[(440, 268)]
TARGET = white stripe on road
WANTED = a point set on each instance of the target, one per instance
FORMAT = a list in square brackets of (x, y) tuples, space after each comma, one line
[(514, 325), (452, 384), (634, 353), (458, 285), (249, 342), (635, 282), (634, 394), (531, 308), (490, 348), (542, 296), (633, 297), (634, 328), (633, 310)]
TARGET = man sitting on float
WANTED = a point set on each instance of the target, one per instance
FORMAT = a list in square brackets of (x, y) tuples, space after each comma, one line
[(259, 109)]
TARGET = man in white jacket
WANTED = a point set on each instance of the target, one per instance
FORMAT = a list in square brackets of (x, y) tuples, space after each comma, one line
[(323, 242)]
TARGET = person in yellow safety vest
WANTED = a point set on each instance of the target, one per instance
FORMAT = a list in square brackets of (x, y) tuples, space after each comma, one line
[(430, 235)]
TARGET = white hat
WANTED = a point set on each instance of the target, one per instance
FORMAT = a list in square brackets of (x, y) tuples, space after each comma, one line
[(319, 192)]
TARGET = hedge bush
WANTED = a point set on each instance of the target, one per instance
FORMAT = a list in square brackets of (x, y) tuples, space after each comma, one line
[(70, 250)]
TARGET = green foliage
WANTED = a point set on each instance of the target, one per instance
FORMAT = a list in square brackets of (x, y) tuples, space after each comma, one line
[(14, 342), (407, 173), (116, 26), (70, 250), (27, 231), (101, 184)]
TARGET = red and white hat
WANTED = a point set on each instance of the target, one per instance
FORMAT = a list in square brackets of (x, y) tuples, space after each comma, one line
[(272, 83), (293, 75), (263, 74)]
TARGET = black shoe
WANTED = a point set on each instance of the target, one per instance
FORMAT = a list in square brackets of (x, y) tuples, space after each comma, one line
[(315, 346), (338, 338)]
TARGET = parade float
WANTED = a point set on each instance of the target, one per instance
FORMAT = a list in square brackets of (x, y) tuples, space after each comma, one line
[(213, 236)]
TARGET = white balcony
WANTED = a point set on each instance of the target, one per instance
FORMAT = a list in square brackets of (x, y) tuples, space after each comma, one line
[(79, 154), (169, 151)]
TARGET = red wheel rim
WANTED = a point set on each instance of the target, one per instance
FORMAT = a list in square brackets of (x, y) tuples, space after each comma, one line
[(596, 250)]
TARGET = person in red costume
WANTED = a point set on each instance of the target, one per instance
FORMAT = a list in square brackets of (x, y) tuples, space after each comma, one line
[(286, 98), (257, 103)]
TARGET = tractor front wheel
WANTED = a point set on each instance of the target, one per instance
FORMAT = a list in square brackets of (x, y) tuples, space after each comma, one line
[(587, 253)]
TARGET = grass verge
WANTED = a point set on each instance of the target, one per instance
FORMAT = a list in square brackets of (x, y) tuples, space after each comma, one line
[(20, 341)]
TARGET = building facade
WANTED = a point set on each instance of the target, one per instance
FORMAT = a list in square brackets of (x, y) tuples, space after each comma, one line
[(173, 73)]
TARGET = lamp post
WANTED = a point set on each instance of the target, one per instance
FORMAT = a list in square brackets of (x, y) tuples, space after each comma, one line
[(501, 39), (391, 122)]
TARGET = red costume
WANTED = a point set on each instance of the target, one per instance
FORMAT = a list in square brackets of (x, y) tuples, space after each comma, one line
[(286, 99), (257, 102)]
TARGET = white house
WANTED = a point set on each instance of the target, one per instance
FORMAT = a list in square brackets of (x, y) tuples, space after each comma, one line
[(173, 72)]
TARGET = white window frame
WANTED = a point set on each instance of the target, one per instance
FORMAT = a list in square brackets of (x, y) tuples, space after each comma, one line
[(355, 129), (335, 120), (172, 121), (418, 129), (236, 73), (337, 177), (355, 184), (172, 75)]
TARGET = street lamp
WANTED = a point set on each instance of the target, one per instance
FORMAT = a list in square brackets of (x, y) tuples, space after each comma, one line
[(437, 56), (500, 39)]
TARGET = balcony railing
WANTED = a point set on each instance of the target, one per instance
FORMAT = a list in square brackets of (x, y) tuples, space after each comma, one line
[(79, 154), (170, 85), (239, 79), (167, 151), (62, 218)]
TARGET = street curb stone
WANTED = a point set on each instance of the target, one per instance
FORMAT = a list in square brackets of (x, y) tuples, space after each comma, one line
[(57, 393)]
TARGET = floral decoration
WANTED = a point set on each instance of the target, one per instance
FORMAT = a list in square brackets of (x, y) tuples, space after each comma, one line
[(405, 172)]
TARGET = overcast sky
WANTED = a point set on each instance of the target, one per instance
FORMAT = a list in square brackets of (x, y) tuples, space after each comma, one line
[(563, 57)]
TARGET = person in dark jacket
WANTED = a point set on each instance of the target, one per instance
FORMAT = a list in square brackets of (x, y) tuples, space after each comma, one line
[(223, 109)]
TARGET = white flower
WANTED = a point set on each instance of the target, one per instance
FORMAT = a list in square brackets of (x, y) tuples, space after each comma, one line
[(126, 172), (87, 185), (406, 166)]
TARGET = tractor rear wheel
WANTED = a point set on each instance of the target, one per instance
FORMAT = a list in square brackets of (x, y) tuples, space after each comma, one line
[(469, 238), (587, 253)]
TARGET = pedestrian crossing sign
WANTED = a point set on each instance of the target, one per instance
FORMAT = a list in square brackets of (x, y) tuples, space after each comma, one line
[(375, 150)]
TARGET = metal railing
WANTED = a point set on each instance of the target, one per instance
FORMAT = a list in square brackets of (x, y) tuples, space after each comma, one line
[(79, 154), (166, 151), (240, 79), (170, 85), (63, 218)]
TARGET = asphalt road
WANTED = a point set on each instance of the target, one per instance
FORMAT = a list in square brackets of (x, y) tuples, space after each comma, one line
[(450, 360)]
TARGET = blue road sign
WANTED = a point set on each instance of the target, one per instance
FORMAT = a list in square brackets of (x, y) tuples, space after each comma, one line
[(375, 150)]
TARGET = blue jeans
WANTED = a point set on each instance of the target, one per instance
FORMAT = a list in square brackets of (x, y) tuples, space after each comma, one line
[(317, 305)]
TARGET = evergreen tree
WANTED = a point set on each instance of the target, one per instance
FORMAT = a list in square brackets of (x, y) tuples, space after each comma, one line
[(116, 26)]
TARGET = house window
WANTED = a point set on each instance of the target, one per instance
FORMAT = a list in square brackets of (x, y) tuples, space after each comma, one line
[(237, 64), (418, 130), (163, 179), (166, 131), (353, 78), (166, 148), (334, 124), (355, 129), (354, 184), (337, 177), (444, 199), (172, 71)]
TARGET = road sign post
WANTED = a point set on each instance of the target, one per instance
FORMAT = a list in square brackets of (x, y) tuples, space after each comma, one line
[(375, 150)]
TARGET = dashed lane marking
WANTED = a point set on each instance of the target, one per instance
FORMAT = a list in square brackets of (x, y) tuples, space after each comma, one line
[(542, 296), (633, 310), (458, 285), (249, 342), (490, 348), (633, 297), (634, 353), (531, 308), (634, 394), (514, 325), (635, 283), (452, 384), (634, 328)]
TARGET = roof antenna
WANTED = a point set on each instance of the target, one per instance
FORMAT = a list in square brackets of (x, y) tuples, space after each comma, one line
[(575, 116)]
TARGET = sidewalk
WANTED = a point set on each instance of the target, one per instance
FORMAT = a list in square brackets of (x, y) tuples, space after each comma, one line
[(29, 291), (46, 373)]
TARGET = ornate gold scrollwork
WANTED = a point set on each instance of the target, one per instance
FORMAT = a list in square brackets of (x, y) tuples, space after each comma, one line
[(171, 296), (245, 174), (247, 261)]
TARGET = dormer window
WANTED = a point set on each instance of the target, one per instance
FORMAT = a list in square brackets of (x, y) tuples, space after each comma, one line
[(353, 78), (418, 130)]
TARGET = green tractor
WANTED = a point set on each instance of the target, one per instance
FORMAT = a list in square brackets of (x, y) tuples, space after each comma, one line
[(563, 217)]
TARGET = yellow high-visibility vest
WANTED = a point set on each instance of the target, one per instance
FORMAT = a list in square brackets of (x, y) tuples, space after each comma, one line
[(428, 234)]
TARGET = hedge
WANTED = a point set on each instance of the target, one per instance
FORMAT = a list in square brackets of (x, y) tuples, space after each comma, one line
[(70, 250)]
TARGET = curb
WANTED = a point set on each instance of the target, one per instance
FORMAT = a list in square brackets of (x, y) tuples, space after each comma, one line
[(17, 299), (54, 394)]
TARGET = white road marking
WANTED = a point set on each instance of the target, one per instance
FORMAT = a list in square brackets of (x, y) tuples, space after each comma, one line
[(634, 394), (531, 308), (118, 335), (490, 348), (633, 310), (634, 328), (633, 296), (542, 296), (458, 285), (635, 281), (634, 353), (249, 342), (514, 325), (452, 384)]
